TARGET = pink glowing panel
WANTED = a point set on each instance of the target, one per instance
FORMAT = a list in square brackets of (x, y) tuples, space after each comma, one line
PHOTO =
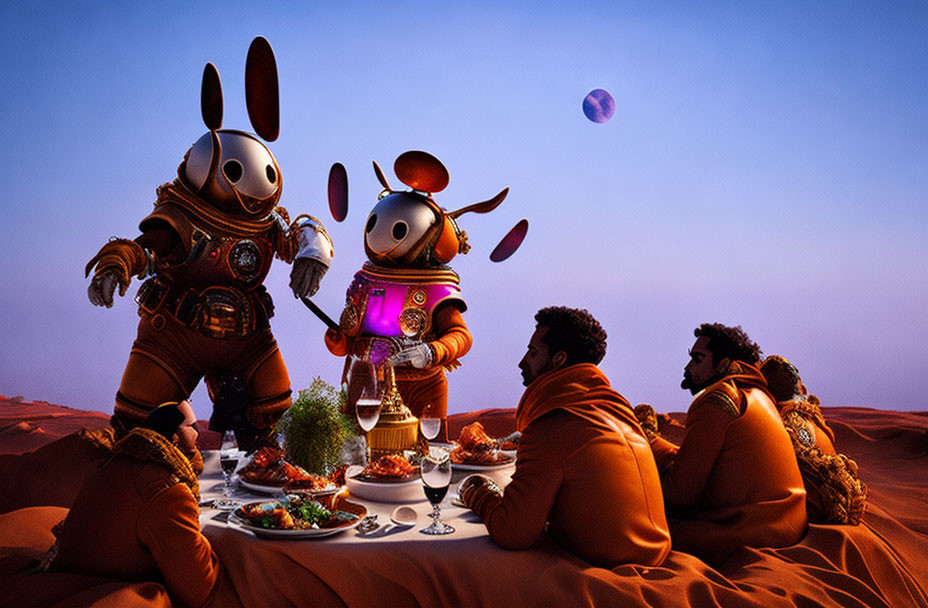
[(386, 301)]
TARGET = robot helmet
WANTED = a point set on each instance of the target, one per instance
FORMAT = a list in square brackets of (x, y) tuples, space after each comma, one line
[(408, 228), (398, 227), (235, 171)]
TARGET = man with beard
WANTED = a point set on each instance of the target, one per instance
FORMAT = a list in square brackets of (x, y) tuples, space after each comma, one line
[(137, 518), (733, 481), (584, 467)]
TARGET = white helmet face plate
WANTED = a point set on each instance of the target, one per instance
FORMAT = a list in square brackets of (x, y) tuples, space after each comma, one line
[(246, 164), (197, 167), (397, 223)]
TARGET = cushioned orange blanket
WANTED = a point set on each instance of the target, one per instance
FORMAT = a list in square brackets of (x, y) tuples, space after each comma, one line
[(880, 563)]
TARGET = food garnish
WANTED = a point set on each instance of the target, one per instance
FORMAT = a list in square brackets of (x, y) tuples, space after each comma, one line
[(268, 467), (474, 446), (293, 513), (391, 466)]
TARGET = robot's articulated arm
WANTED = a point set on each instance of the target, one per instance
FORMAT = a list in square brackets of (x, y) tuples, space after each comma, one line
[(313, 257), (116, 263)]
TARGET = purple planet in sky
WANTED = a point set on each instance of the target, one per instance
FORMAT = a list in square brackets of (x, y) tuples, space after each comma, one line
[(598, 105)]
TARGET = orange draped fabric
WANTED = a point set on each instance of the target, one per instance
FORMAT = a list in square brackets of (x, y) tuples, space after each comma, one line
[(879, 563), (734, 480), (133, 520), (583, 458)]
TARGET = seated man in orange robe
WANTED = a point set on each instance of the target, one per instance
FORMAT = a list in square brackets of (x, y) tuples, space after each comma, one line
[(138, 519), (734, 480), (584, 467), (835, 492)]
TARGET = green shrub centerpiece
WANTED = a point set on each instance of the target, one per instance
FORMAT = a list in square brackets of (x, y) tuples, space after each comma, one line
[(314, 429)]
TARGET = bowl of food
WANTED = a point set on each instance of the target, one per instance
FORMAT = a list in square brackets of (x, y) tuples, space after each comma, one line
[(390, 478)]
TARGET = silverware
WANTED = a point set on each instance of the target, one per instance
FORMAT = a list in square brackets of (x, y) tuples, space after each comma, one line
[(402, 517), (513, 437), (368, 525)]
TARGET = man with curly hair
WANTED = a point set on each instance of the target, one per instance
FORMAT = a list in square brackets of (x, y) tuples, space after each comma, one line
[(582, 455), (734, 480)]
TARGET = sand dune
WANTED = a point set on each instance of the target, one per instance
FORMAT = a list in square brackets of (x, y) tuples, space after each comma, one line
[(879, 563)]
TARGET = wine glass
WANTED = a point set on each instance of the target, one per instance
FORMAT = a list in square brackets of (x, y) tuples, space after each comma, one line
[(228, 460), (366, 391), (436, 477), (429, 423)]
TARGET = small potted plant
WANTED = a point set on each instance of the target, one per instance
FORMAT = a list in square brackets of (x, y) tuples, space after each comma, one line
[(314, 430)]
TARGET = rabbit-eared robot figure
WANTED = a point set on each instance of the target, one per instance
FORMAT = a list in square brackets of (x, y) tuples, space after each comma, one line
[(207, 247)]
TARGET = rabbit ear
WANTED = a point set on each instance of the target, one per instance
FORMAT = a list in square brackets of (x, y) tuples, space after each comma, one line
[(338, 192), (484, 207), (211, 98), (380, 176), (510, 242), (262, 95)]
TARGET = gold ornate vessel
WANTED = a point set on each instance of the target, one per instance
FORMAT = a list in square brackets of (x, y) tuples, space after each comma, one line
[(397, 429)]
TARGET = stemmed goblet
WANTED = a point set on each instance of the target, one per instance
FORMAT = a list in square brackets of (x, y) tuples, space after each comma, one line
[(366, 392), (228, 460), (429, 424), (436, 477)]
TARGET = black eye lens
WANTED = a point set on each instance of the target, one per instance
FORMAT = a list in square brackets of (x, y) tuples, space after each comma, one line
[(233, 170), (271, 174), (399, 230), (371, 222)]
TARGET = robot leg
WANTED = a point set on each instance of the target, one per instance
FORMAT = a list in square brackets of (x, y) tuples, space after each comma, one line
[(146, 383)]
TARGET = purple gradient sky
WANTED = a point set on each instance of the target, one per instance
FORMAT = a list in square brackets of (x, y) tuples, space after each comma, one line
[(766, 166)]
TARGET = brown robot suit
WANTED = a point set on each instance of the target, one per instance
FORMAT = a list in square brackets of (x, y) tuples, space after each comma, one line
[(207, 247), (204, 312)]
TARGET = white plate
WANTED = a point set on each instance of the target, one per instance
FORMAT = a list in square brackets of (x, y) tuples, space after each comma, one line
[(478, 467), (483, 467), (451, 446), (272, 533), (260, 489), (294, 534), (388, 491)]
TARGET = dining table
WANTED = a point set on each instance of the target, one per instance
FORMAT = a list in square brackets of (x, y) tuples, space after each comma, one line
[(389, 566)]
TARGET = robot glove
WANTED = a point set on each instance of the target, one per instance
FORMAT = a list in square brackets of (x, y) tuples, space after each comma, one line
[(101, 289), (418, 355), (305, 276)]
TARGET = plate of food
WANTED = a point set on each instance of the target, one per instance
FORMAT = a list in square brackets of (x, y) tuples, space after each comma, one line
[(296, 517), (474, 450), (390, 478), (268, 472)]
